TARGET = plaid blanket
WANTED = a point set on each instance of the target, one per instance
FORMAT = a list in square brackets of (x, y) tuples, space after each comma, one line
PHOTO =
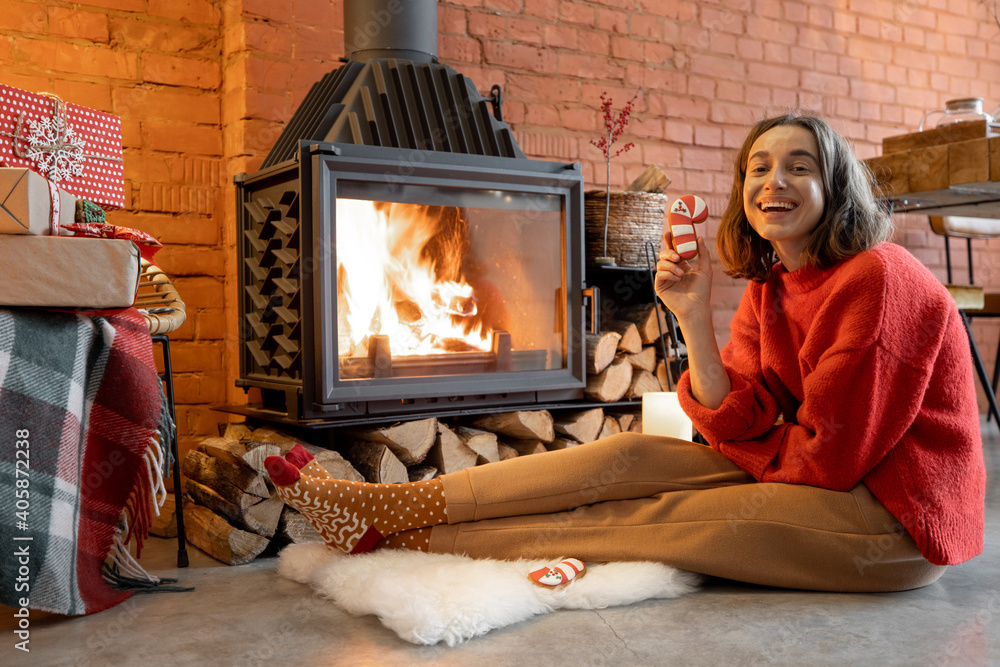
[(81, 416)]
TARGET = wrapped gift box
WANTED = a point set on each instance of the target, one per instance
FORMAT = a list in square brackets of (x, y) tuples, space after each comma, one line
[(68, 272), (78, 148), (26, 203)]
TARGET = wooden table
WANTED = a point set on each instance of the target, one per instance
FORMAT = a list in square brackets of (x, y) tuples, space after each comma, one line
[(952, 170)]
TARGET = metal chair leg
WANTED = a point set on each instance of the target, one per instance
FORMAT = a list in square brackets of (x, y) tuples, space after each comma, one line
[(175, 472), (981, 369)]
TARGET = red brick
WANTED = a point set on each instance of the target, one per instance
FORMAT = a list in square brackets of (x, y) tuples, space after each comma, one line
[(772, 75), (720, 68), (275, 40), (707, 135), (214, 324), (647, 27), (527, 31), (195, 357), (166, 104), (658, 53), (180, 71), (702, 86), (731, 91), (580, 118), (96, 95), (460, 50), (188, 11), (513, 6), (776, 54), (546, 9), (586, 66), (545, 115), (76, 58), (561, 36), (750, 49), (597, 42), (758, 95), (820, 17), (627, 48), (613, 21), (116, 5), (825, 83), (91, 26), (777, 31), (529, 87), (321, 13), (25, 18), (571, 12), (709, 159), (184, 138), (451, 19), (137, 34), (487, 25), (279, 11), (519, 56)]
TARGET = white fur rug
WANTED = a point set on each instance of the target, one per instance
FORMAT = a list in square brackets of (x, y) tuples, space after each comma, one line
[(430, 598)]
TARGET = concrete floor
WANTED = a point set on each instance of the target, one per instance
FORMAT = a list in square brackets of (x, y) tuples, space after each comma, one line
[(249, 616)]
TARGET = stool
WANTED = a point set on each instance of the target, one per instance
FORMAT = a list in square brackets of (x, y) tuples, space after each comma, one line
[(160, 304)]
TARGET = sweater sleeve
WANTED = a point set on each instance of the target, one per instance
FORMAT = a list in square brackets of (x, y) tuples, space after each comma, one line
[(865, 367), (749, 409)]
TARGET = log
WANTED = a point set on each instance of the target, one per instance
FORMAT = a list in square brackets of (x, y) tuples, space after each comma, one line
[(642, 381), (223, 448), (601, 350), (644, 316), (227, 509), (213, 535), (651, 180), (506, 451), (645, 359), (422, 473), (561, 443), (295, 528), (661, 376), (625, 420), (581, 426), (229, 480), (483, 443), (450, 453), (376, 462), (527, 447), (336, 465), (164, 524), (636, 425), (234, 431), (630, 341), (610, 427), (610, 384), (263, 518), (409, 441), (523, 424), (268, 434)]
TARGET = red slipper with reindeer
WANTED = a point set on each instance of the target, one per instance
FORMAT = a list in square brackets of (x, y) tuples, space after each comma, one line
[(566, 571), (684, 213)]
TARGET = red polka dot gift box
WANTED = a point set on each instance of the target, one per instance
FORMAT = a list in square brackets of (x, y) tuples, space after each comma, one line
[(77, 148)]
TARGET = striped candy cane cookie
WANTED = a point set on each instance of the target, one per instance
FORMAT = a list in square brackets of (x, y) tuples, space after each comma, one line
[(684, 212)]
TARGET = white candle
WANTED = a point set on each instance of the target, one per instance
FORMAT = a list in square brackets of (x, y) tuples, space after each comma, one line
[(662, 415)]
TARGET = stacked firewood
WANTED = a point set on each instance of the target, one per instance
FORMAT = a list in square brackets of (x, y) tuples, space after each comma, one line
[(624, 360), (233, 513)]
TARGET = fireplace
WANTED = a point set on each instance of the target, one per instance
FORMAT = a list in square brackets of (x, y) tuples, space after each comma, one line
[(398, 253)]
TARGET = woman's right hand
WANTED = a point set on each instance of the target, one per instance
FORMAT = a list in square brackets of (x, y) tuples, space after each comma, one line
[(684, 287)]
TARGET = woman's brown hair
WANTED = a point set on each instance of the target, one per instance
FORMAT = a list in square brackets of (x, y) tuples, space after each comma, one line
[(853, 220)]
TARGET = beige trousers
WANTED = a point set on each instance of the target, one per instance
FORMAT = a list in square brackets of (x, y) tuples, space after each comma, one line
[(642, 497)]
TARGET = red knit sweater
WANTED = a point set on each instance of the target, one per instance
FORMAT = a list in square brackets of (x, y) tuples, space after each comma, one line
[(868, 362)]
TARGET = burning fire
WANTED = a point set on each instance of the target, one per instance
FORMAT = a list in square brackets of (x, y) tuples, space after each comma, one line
[(399, 273)]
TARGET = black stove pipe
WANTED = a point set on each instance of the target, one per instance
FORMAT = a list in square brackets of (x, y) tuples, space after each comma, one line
[(400, 29)]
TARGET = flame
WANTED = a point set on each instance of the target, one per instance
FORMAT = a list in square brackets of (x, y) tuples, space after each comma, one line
[(397, 276)]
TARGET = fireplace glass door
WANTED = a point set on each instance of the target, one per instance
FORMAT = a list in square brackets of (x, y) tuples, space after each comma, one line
[(446, 286)]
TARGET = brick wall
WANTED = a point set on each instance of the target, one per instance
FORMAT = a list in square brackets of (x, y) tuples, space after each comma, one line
[(204, 88)]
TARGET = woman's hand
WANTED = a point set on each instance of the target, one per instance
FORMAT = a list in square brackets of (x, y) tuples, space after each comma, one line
[(684, 287)]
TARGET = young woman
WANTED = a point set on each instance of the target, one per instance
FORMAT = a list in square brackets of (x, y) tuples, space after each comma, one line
[(845, 449)]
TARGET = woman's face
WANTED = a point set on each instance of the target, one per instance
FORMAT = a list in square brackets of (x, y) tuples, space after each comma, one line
[(783, 190)]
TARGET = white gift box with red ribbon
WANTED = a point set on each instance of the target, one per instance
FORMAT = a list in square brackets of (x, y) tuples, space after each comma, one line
[(76, 148)]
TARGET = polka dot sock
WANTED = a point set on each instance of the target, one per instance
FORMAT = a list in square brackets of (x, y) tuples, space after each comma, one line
[(307, 464), (418, 539), (354, 516)]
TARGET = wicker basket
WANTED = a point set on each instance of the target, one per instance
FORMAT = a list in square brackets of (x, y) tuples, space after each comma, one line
[(634, 218)]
